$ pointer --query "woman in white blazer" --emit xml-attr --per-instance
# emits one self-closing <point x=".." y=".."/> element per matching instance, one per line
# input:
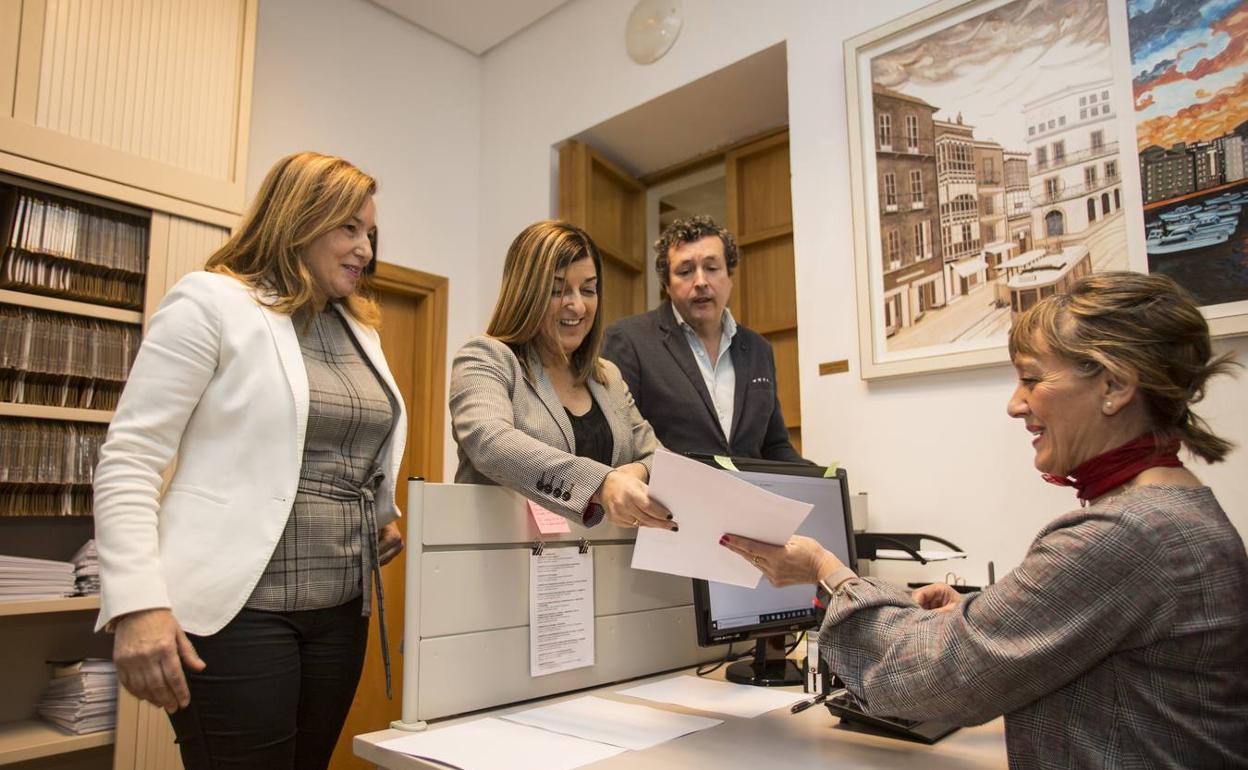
<point x="239" y="597"/>
<point x="533" y="406"/>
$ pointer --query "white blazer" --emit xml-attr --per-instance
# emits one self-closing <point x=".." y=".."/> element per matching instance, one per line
<point x="219" y="380"/>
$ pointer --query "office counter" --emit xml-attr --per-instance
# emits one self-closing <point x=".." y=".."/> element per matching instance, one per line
<point x="811" y="739"/>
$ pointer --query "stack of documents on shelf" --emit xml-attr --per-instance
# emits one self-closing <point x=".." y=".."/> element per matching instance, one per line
<point x="87" y="570"/>
<point x="24" y="579"/>
<point x="82" y="696"/>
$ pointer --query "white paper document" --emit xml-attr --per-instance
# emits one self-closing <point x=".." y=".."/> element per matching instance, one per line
<point x="561" y="610"/>
<point x="738" y="700"/>
<point x="708" y="503"/>
<point x="488" y="744"/>
<point x="627" y="725"/>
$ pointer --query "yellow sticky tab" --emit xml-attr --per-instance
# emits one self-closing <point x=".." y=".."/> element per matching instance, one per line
<point x="830" y="471"/>
<point x="725" y="462"/>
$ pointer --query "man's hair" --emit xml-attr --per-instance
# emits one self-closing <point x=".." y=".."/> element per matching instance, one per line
<point x="691" y="230"/>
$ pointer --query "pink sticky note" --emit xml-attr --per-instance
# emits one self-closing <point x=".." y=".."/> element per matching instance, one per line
<point x="548" y="522"/>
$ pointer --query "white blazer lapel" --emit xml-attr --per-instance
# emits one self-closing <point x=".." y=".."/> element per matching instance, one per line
<point x="287" y="343"/>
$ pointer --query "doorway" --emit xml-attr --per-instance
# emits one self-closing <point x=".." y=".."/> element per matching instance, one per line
<point x="413" y="337"/>
<point x="718" y="146"/>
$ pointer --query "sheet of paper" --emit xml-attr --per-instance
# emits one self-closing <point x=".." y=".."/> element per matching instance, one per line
<point x="606" y="721"/>
<point x="709" y="503"/>
<point x="488" y="744"/>
<point x="548" y="522"/>
<point x="561" y="610"/>
<point x="739" y="700"/>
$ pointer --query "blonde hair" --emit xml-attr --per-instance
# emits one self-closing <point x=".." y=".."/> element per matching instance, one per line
<point x="302" y="197"/>
<point x="533" y="258"/>
<point x="1147" y="324"/>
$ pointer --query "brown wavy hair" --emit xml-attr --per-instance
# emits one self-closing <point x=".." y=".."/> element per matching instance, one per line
<point x="1147" y="324"/>
<point x="534" y="256"/>
<point x="302" y="197"/>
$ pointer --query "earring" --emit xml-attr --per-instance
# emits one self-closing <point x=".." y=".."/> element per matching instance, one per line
<point x="1109" y="404"/>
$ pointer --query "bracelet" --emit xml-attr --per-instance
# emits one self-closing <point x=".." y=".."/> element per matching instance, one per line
<point x="836" y="579"/>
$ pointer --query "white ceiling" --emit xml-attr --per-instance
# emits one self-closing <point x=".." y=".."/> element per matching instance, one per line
<point x="741" y="100"/>
<point x="474" y="25"/>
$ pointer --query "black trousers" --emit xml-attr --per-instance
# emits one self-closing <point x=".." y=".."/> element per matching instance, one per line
<point x="276" y="689"/>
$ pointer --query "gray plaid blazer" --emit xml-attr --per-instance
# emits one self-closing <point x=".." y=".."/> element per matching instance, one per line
<point x="514" y="432"/>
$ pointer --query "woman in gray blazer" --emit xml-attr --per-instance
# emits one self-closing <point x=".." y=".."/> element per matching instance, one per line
<point x="533" y="406"/>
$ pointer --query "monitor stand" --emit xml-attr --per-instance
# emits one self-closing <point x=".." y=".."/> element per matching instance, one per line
<point x="768" y="668"/>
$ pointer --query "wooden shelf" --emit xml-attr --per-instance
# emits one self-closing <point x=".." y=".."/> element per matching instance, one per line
<point x="40" y="412"/>
<point x="43" y="606"/>
<point x="31" y="739"/>
<point x="40" y="302"/>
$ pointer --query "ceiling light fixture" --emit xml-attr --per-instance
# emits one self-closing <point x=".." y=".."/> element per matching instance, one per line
<point x="652" y="28"/>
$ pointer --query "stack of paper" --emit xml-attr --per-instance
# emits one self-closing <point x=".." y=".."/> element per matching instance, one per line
<point x="22" y="579"/>
<point x="82" y="696"/>
<point x="87" y="570"/>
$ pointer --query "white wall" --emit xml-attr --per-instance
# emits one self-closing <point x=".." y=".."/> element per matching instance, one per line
<point x="936" y="453"/>
<point x="347" y="78"/>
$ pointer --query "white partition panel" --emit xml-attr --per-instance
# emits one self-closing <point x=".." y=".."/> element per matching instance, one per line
<point x="467" y="639"/>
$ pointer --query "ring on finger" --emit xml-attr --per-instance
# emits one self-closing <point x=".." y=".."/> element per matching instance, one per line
<point x="756" y="561"/>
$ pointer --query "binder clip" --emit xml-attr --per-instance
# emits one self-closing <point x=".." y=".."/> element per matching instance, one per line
<point x="583" y="548"/>
<point x="538" y="547"/>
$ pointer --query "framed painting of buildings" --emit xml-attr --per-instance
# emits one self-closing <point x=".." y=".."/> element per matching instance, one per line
<point x="987" y="161"/>
<point x="1189" y="65"/>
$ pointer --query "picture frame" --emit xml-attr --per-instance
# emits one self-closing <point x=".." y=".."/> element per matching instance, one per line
<point x="994" y="161"/>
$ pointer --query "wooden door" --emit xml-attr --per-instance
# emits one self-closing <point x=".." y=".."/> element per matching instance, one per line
<point x="609" y="204"/>
<point x="764" y="297"/>
<point x="413" y="336"/>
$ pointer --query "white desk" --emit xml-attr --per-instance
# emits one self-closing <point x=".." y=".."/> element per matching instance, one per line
<point x="812" y="739"/>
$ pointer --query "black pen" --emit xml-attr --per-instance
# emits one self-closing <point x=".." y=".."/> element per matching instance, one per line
<point x="815" y="701"/>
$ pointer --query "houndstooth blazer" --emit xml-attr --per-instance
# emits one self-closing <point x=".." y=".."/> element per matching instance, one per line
<point x="514" y="431"/>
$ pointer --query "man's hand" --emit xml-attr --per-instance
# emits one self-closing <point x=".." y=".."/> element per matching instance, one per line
<point x="150" y="650"/>
<point x="627" y="502"/>
<point x="389" y="543"/>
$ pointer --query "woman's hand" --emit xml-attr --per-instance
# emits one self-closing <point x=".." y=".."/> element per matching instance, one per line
<point x="389" y="543"/>
<point x="150" y="650"/>
<point x="627" y="502"/>
<point x="801" y="560"/>
<point x="940" y="597"/>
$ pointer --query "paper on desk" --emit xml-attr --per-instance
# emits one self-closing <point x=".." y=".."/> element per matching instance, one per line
<point x="739" y="700"/>
<point x="606" y="721"/>
<point x="708" y="503"/>
<point x="488" y="744"/>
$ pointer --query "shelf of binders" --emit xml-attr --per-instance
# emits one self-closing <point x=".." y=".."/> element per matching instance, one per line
<point x="49" y="606"/>
<point x="29" y="739"/>
<point x="64" y="247"/>
<point x="55" y="305"/>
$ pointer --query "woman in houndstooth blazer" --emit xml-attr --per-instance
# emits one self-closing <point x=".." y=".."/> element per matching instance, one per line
<point x="533" y="406"/>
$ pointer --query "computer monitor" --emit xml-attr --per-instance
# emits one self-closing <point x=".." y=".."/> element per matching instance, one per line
<point x="727" y="613"/>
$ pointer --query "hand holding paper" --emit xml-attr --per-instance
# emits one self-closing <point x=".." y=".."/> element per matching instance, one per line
<point x="710" y="503"/>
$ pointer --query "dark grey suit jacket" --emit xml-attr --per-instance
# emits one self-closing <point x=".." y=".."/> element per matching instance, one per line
<point x="653" y="355"/>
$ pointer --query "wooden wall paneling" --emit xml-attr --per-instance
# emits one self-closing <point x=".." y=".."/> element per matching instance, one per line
<point x="760" y="214"/>
<point x="177" y="246"/>
<point x="155" y="94"/>
<point x="770" y="293"/>
<point x="10" y="27"/>
<point x="609" y="204"/>
<point x="784" y="345"/>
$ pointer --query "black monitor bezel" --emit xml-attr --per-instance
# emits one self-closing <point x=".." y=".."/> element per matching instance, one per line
<point x="701" y="588"/>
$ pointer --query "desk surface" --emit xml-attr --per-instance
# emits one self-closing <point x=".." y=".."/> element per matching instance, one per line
<point x="812" y="738"/>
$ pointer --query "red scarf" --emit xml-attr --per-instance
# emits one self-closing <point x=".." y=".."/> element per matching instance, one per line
<point x="1114" y="468"/>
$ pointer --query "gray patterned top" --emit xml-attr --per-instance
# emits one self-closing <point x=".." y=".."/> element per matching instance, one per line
<point x="321" y="560"/>
<point x="1120" y="641"/>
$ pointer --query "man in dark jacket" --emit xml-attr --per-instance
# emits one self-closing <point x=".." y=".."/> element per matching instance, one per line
<point x="705" y="383"/>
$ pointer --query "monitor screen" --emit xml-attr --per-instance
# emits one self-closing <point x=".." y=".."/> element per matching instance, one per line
<point x="728" y="613"/>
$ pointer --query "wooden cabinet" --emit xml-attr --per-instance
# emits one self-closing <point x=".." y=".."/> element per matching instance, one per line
<point x="151" y="94"/>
